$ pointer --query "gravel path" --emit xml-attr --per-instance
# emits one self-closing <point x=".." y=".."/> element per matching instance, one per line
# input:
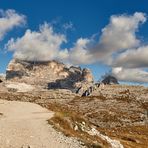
<point x="24" y="125"/>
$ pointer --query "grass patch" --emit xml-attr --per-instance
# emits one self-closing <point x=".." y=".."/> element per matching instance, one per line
<point x="75" y="125"/>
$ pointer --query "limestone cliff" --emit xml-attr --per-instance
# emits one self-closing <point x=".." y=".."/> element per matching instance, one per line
<point x="51" y="74"/>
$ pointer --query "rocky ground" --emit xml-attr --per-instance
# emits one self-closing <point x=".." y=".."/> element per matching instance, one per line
<point x="113" y="116"/>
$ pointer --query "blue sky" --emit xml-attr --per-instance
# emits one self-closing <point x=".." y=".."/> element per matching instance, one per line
<point x="87" y="19"/>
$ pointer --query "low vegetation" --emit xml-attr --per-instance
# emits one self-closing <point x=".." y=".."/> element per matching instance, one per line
<point x="118" y="120"/>
<point x="74" y="124"/>
<point x="119" y="112"/>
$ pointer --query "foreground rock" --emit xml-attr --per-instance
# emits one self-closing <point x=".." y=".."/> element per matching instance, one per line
<point x="51" y="74"/>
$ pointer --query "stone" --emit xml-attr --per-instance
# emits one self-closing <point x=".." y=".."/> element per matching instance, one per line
<point x="86" y="93"/>
<point x="87" y="75"/>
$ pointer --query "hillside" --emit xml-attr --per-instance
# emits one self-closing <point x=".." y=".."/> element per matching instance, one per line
<point x="116" y="111"/>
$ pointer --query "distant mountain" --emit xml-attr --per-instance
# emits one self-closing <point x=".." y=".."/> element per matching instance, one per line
<point x="110" y="80"/>
<point x="51" y="74"/>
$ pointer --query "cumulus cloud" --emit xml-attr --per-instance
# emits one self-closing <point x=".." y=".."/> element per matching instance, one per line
<point x="78" y="54"/>
<point x="119" y="34"/>
<point x="134" y="75"/>
<point x="43" y="45"/>
<point x="129" y="65"/>
<point x="8" y="20"/>
<point x="122" y="50"/>
<point x="133" y="58"/>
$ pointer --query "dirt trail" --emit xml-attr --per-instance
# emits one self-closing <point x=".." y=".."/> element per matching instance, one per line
<point x="24" y="124"/>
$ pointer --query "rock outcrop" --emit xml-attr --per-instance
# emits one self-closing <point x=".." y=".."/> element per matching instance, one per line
<point x="51" y="74"/>
<point x="2" y="78"/>
<point x="110" y="80"/>
<point x="87" y="75"/>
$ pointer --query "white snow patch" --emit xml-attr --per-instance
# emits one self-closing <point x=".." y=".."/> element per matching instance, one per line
<point x="113" y="143"/>
<point x="20" y="87"/>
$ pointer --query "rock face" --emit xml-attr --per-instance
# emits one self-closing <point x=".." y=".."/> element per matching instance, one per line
<point x="2" y="78"/>
<point x="51" y="74"/>
<point x="110" y="80"/>
<point x="87" y="75"/>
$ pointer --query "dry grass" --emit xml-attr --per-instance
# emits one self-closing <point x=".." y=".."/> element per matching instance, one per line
<point x="120" y="116"/>
<point x="130" y="137"/>
<point x="69" y="113"/>
<point x="65" y="120"/>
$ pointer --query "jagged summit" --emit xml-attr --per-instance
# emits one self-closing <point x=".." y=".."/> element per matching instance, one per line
<point x="52" y="74"/>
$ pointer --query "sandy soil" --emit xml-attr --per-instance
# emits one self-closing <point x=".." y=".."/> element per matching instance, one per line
<point x="24" y="125"/>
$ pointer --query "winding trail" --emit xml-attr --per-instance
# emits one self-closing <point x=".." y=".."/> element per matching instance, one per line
<point x="24" y="125"/>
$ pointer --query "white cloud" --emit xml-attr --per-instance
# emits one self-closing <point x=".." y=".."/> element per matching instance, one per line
<point x="68" y="26"/>
<point x="132" y="58"/>
<point x="78" y="54"/>
<point x="119" y="34"/>
<point x="8" y="20"/>
<point x="130" y="75"/>
<point x="121" y="49"/>
<point x="43" y="45"/>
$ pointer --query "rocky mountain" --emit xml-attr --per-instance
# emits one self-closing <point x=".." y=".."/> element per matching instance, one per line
<point x="110" y="80"/>
<point x="51" y="74"/>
